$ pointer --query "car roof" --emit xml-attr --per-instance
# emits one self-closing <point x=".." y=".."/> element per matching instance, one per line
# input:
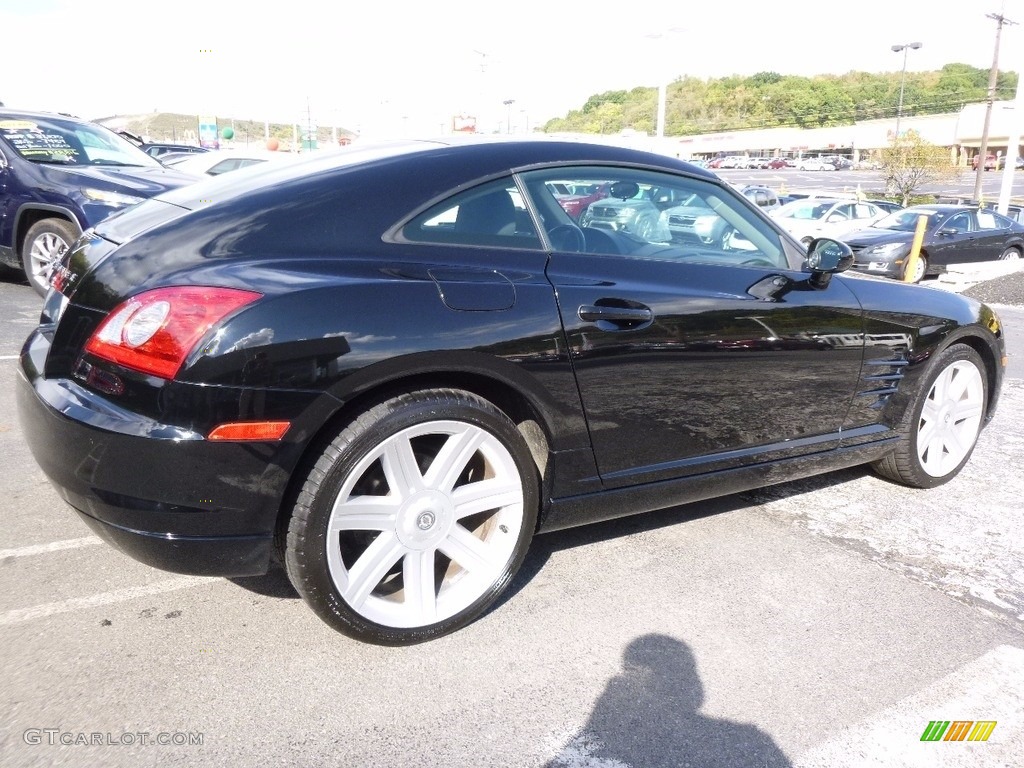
<point x="20" y="114"/>
<point x="941" y="208"/>
<point x="462" y="160"/>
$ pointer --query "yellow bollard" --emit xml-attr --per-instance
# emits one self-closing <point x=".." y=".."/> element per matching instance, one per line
<point x="915" y="250"/>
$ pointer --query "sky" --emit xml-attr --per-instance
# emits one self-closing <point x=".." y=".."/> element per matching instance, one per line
<point x="407" y="67"/>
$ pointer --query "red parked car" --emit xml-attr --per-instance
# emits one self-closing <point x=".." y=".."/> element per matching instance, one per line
<point x="577" y="198"/>
<point x="991" y="162"/>
<point x="777" y="163"/>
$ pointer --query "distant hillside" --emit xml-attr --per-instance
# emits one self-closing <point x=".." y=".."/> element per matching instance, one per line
<point x="184" y="129"/>
<point x="771" y="100"/>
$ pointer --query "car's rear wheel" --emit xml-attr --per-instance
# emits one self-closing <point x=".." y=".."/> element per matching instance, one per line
<point x="415" y="518"/>
<point x="45" y="243"/>
<point x="941" y="426"/>
<point x="1010" y="254"/>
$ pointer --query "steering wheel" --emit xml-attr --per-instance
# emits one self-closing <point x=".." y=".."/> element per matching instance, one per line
<point x="756" y="263"/>
<point x="567" y="237"/>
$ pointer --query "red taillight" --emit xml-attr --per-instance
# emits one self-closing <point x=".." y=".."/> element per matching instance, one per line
<point x="155" y="331"/>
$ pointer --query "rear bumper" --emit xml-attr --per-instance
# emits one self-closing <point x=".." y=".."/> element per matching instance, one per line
<point x="160" y="493"/>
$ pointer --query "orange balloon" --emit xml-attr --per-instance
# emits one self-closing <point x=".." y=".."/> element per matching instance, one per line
<point x="273" y="144"/>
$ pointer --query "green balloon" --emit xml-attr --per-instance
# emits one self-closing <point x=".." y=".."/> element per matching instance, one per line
<point x="228" y="133"/>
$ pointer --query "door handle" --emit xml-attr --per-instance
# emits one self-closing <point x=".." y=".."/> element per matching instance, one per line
<point x="595" y="313"/>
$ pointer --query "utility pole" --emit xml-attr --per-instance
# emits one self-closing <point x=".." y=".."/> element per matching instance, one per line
<point x="1000" y="20"/>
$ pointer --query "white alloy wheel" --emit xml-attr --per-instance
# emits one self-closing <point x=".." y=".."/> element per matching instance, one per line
<point x="422" y="564"/>
<point x="940" y="426"/>
<point x="45" y="244"/>
<point x="951" y="418"/>
<point x="414" y="518"/>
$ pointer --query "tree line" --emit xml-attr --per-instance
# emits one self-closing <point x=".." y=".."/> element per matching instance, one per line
<point x="771" y="100"/>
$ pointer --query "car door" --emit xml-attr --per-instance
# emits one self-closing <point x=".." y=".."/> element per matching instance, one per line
<point x="692" y="356"/>
<point x="955" y="241"/>
<point x="991" y="235"/>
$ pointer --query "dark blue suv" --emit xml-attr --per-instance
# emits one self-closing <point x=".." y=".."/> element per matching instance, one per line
<point x="59" y="176"/>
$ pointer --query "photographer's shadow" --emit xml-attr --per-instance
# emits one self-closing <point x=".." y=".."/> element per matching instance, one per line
<point x="649" y="716"/>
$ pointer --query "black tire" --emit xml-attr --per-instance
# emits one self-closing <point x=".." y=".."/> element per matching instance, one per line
<point x="355" y="579"/>
<point x="45" y="242"/>
<point x="905" y="464"/>
<point x="1010" y="254"/>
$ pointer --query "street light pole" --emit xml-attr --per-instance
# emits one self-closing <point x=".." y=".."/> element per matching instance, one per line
<point x="993" y="78"/>
<point x="662" y="83"/>
<point x="508" y="114"/>
<point x="905" y="47"/>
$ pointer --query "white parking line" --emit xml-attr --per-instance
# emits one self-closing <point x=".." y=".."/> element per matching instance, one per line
<point x="8" y="357"/>
<point x="54" y="546"/>
<point x="990" y="688"/>
<point x="21" y="615"/>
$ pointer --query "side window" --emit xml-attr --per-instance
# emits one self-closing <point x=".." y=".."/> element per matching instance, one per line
<point x="493" y="214"/>
<point x="637" y="213"/>
<point x="991" y="220"/>
<point x="960" y="223"/>
<point x="865" y="211"/>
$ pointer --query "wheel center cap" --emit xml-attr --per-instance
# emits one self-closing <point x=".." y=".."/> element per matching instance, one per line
<point x="425" y="519"/>
<point x="945" y="414"/>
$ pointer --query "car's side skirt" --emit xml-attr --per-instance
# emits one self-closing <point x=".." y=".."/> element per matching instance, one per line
<point x="620" y="502"/>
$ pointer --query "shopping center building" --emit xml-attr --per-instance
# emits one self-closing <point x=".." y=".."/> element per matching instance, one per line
<point x="959" y="131"/>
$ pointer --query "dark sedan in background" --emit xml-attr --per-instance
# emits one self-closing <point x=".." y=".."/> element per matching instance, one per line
<point x="954" y="234"/>
<point x="393" y="365"/>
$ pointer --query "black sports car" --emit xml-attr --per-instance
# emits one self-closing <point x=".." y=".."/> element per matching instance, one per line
<point x="393" y="365"/>
<point x="954" y="234"/>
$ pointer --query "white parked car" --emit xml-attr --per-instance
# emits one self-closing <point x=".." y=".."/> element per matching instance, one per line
<point x="814" y="164"/>
<point x="825" y="217"/>
<point x="220" y="161"/>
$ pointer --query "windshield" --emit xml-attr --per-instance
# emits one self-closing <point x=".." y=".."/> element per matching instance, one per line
<point x="906" y="220"/>
<point x="66" y="142"/>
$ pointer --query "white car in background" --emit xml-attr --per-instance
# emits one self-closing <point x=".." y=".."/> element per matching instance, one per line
<point x="218" y="161"/>
<point x="825" y="217"/>
<point x="814" y="164"/>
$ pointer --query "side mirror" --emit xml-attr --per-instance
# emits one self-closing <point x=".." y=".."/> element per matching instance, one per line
<point x="624" y="190"/>
<point x="826" y="257"/>
<point x="948" y="232"/>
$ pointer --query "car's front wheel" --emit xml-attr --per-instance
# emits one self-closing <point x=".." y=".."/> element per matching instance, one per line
<point x="941" y="426"/>
<point x="45" y="243"/>
<point x="415" y="517"/>
<point x="1010" y="254"/>
<point x="918" y="270"/>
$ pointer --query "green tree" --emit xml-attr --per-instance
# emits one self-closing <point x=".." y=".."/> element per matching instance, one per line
<point x="910" y="162"/>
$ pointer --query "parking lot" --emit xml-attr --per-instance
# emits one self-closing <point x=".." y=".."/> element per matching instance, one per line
<point x="824" y="622"/>
<point x="868" y="182"/>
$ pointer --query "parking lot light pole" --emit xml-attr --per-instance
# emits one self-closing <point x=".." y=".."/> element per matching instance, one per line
<point x="508" y="114"/>
<point x="905" y="47"/>
<point x="1012" y="145"/>
<point x="662" y="83"/>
